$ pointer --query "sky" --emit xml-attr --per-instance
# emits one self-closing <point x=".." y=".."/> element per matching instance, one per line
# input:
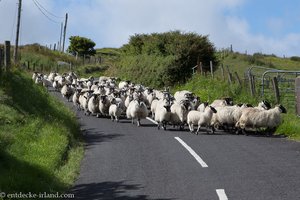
<point x="265" y="26"/>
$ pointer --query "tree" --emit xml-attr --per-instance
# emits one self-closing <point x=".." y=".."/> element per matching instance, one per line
<point x="81" y="46"/>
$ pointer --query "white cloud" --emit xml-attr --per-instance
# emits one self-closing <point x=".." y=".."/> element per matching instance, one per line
<point x="110" y="23"/>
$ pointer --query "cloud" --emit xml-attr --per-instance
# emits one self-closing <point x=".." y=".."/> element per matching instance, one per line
<point x="110" y="23"/>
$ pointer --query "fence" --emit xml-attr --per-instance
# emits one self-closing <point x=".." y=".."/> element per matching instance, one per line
<point x="279" y="85"/>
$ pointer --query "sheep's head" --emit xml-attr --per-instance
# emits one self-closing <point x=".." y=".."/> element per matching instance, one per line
<point x="213" y="109"/>
<point x="266" y="105"/>
<point x="281" y="108"/>
<point x="168" y="108"/>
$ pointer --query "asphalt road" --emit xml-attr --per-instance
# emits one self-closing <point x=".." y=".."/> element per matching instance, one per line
<point x="126" y="162"/>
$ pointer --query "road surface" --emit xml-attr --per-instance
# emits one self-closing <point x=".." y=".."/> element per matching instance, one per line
<point x="126" y="162"/>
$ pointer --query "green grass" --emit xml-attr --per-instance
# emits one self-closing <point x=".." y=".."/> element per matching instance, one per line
<point x="40" y="145"/>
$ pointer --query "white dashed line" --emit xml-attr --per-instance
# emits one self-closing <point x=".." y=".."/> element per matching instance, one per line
<point x="151" y="120"/>
<point x="221" y="193"/>
<point x="196" y="156"/>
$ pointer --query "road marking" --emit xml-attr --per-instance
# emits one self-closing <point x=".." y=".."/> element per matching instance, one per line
<point x="196" y="156"/>
<point x="151" y="120"/>
<point x="221" y="193"/>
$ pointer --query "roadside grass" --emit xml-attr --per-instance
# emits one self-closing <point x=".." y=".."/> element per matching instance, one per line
<point x="40" y="143"/>
<point x="210" y="89"/>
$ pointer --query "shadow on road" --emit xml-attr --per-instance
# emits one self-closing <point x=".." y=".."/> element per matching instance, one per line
<point x="94" y="137"/>
<point x="109" y="190"/>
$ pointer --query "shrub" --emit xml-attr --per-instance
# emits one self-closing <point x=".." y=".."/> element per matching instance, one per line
<point x="167" y="58"/>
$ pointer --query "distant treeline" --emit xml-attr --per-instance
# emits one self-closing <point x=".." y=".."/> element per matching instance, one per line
<point x="164" y="59"/>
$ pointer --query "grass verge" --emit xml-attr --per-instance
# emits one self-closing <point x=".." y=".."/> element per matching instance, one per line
<point x="40" y="143"/>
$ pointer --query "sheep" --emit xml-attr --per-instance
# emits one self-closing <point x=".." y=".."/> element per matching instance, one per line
<point x="83" y="100"/>
<point x="75" y="98"/>
<point x="128" y="99"/>
<point x="66" y="91"/>
<point x="163" y="113"/>
<point x="200" y="118"/>
<point x="123" y="84"/>
<point x="182" y="95"/>
<point x="137" y="109"/>
<point x="222" y="102"/>
<point x="104" y="104"/>
<point x="256" y="119"/>
<point x="227" y="116"/>
<point x="202" y="106"/>
<point x="39" y="80"/>
<point x="34" y="76"/>
<point x="93" y="104"/>
<point x="263" y="105"/>
<point x="55" y="85"/>
<point x="179" y="111"/>
<point x="153" y="107"/>
<point x="51" y="76"/>
<point x="115" y="111"/>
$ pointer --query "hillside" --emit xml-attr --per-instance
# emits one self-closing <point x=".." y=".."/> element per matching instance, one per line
<point x="40" y="144"/>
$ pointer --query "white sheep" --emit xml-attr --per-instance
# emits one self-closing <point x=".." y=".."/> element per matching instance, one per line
<point x="66" y="91"/>
<point x="222" y="102"/>
<point x="93" y="104"/>
<point x="55" y="85"/>
<point x="75" y="98"/>
<point x="200" y="118"/>
<point x="202" y="106"/>
<point x="104" y="104"/>
<point x="256" y="119"/>
<point x="137" y="110"/>
<point x="179" y="111"/>
<point x="182" y="95"/>
<point x="123" y="84"/>
<point x="153" y="107"/>
<point x="163" y="113"/>
<point x="115" y="111"/>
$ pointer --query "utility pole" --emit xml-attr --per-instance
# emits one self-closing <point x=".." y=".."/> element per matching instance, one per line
<point x="61" y="32"/>
<point x="18" y="32"/>
<point x="65" y="29"/>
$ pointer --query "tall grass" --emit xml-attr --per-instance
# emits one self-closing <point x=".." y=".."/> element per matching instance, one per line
<point x="40" y="145"/>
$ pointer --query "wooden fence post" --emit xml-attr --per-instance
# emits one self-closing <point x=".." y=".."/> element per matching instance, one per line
<point x="276" y="89"/>
<point x="1" y="58"/>
<point x="238" y="78"/>
<point x="201" y="68"/>
<point x="28" y="65"/>
<point x="252" y="85"/>
<point x="230" y="78"/>
<point x="211" y="69"/>
<point x="222" y="71"/>
<point x="7" y="55"/>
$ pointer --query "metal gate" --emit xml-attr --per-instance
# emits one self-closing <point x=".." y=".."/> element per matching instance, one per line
<point x="297" y="91"/>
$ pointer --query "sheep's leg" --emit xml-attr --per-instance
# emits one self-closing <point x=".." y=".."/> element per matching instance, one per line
<point x="158" y="126"/>
<point x="191" y="127"/>
<point x="117" y="119"/>
<point x="138" y="122"/>
<point x="165" y="125"/>
<point x="199" y="126"/>
<point x="132" y="121"/>
<point x="112" y="118"/>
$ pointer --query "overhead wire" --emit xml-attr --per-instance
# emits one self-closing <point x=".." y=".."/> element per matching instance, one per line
<point x="40" y="9"/>
<point x="53" y="15"/>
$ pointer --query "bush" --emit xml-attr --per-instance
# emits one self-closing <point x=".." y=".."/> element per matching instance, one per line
<point x="166" y="58"/>
<point x="295" y="58"/>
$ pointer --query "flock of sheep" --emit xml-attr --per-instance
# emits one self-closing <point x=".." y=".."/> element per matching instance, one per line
<point x="106" y="97"/>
